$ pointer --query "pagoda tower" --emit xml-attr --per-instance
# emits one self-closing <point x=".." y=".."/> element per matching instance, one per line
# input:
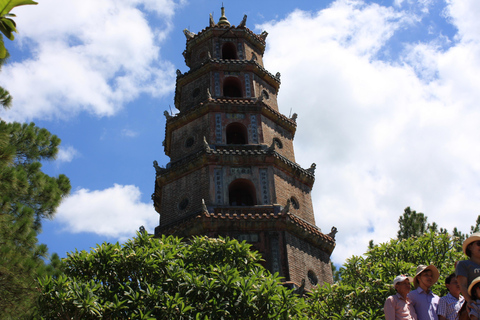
<point x="232" y="169"/>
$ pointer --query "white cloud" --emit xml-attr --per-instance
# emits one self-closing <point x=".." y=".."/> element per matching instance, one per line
<point x="114" y="212"/>
<point x="91" y="56"/>
<point x="66" y="154"/>
<point x="129" y="133"/>
<point x="384" y="134"/>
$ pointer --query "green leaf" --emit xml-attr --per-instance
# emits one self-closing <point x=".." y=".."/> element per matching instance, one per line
<point x="7" y="5"/>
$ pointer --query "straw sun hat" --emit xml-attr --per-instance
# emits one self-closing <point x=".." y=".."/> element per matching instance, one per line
<point x="473" y="237"/>
<point x="421" y="268"/>
<point x="474" y="282"/>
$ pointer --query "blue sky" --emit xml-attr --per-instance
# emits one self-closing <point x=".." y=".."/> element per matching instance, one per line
<point x="386" y="94"/>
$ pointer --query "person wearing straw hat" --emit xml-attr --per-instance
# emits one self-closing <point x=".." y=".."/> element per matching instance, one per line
<point x="474" y="292"/>
<point x="468" y="270"/>
<point x="398" y="307"/>
<point x="424" y="301"/>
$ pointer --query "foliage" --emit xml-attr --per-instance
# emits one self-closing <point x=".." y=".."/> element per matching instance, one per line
<point x="26" y="196"/>
<point x="23" y="186"/>
<point x="411" y="224"/>
<point x="148" y="278"/>
<point x="5" y="97"/>
<point x="7" y="25"/>
<point x="366" y="280"/>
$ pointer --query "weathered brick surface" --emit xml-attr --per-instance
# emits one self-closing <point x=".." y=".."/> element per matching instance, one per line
<point x="196" y="129"/>
<point x="273" y="130"/>
<point x="193" y="186"/>
<point x="303" y="257"/>
<point x="286" y="186"/>
<point x="194" y="92"/>
<point x="259" y="86"/>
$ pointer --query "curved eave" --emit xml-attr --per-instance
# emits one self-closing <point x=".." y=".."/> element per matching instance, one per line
<point x="219" y="31"/>
<point x="247" y="105"/>
<point x="203" y="222"/>
<point x="211" y="65"/>
<point x="257" y="155"/>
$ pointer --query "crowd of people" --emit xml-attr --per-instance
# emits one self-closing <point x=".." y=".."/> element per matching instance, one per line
<point x="461" y="302"/>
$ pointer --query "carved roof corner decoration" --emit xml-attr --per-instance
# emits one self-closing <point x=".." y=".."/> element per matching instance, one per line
<point x="243" y="22"/>
<point x="263" y="35"/>
<point x="271" y="149"/>
<point x="206" y="145"/>
<point x="294" y="117"/>
<point x="188" y="34"/>
<point x="211" y="21"/>
<point x="158" y="170"/>
<point x="333" y="232"/>
<point x="312" y="168"/>
<point x="286" y="209"/>
<point x="167" y="115"/>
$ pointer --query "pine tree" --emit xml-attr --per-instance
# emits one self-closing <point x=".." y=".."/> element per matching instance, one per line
<point x="5" y="97"/>
<point x="412" y="223"/>
<point x="27" y="195"/>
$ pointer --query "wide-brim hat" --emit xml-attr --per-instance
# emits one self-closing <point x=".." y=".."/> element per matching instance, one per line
<point x="402" y="278"/>
<point x="473" y="237"/>
<point x="421" y="268"/>
<point x="474" y="282"/>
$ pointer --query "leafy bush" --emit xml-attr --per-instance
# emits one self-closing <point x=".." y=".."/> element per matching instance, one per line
<point x="148" y="278"/>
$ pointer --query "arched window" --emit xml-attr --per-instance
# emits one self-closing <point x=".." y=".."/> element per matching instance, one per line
<point x="236" y="133"/>
<point x="232" y="88"/>
<point x="241" y="192"/>
<point x="229" y="51"/>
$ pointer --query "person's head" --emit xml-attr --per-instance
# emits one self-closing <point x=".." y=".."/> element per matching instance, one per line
<point x="471" y="245"/>
<point x="402" y="284"/>
<point x="474" y="289"/>
<point x="426" y="276"/>
<point x="452" y="285"/>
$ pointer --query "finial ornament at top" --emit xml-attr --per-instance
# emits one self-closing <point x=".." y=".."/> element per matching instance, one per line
<point x="223" y="20"/>
<point x="294" y="117"/>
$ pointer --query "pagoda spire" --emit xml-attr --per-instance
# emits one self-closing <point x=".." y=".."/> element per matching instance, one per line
<point x="223" y="20"/>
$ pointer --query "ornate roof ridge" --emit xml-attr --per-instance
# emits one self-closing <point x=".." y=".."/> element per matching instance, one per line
<point x="225" y="27"/>
<point x="287" y="217"/>
<point x="240" y="150"/>
<point x="228" y="61"/>
<point x="225" y="100"/>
